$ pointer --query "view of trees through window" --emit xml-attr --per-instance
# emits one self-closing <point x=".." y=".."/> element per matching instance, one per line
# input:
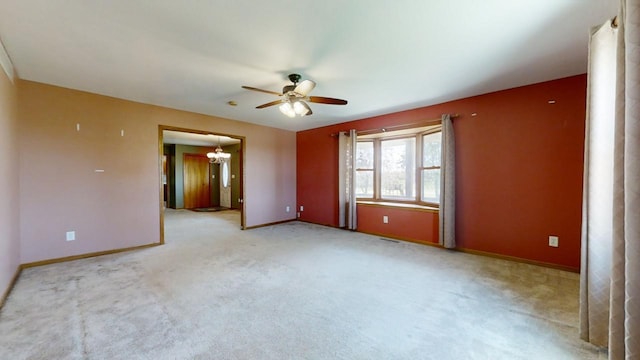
<point x="397" y="169"/>
<point x="400" y="168"/>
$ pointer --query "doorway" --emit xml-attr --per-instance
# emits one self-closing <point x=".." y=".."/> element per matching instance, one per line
<point x="192" y="175"/>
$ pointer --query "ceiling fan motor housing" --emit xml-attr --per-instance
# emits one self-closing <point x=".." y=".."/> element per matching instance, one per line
<point x="288" y="88"/>
<point x="294" y="78"/>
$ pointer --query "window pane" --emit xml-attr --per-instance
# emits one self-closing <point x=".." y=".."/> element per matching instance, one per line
<point x="431" y="149"/>
<point x="364" y="184"/>
<point x="364" y="155"/>
<point x="397" y="173"/>
<point x="431" y="185"/>
<point x="225" y="174"/>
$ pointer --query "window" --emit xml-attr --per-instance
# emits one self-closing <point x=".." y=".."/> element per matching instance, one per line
<point x="400" y="166"/>
<point x="364" y="169"/>
<point x="397" y="169"/>
<point x="225" y="173"/>
<point x="430" y="169"/>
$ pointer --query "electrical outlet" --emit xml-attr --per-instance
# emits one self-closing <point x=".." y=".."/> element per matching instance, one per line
<point x="385" y="219"/>
<point x="554" y="241"/>
<point x="287" y="209"/>
<point x="298" y="214"/>
<point x="301" y="208"/>
<point x="71" y="235"/>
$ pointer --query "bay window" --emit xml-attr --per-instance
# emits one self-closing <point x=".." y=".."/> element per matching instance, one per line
<point x="400" y="166"/>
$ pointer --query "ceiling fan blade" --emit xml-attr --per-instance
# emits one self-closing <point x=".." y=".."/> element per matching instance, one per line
<point x="261" y="90"/>
<point x="326" y="100"/>
<point x="304" y="87"/>
<point x="269" y="104"/>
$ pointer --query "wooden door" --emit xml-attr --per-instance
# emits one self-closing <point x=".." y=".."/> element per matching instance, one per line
<point x="196" y="181"/>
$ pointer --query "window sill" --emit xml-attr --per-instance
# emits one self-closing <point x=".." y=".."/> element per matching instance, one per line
<point x="399" y="205"/>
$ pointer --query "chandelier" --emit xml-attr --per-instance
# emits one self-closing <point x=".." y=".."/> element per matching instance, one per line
<point x="218" y="155"/>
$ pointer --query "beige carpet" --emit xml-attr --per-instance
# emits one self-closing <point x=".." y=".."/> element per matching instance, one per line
<point x="291" y="291"/>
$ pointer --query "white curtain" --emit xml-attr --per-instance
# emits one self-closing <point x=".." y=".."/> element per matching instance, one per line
<point x="447" y="218"/>
<point x="597" y="204"/>
<point x="346" y="180"/>
<point x="624" y="332"/>
<point x="610" y="268"/>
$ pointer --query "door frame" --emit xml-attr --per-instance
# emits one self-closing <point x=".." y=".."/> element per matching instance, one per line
<point x="243" y="157"/>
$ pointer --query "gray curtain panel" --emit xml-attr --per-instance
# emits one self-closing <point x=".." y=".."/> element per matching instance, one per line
<point x="610" y="274"/>
<point x="346" y="179"/>
<point x="447" y="218"/>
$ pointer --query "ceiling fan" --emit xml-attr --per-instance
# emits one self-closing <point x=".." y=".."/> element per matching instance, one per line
<point x="293" y="97"/>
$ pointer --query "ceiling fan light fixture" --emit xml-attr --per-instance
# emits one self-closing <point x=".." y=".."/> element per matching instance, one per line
<point x="301" y="108"/>
<point x="287" y="109"/>
<point x="304" y="88"/>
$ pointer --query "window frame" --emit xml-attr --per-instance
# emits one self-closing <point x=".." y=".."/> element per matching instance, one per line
<point x="372" y="169"/>
<point x="418" y="161"/>
<point x="379" y="188"/>
<point x="421" y="168"/>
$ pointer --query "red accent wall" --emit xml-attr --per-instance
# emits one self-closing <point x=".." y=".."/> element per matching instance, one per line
<point x="404" y="223"/>
<point x="519" y="170"/>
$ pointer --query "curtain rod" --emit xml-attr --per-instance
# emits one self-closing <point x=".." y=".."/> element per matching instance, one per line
<point x="400" y="126"/>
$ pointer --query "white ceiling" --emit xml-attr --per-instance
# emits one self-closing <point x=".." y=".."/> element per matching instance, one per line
<point x="381" y="56"/>
<point x="186" y="138"/>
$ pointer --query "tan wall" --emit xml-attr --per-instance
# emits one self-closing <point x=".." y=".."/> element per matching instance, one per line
<point x="9" y="202"/>
<point x="60" y="189"/>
